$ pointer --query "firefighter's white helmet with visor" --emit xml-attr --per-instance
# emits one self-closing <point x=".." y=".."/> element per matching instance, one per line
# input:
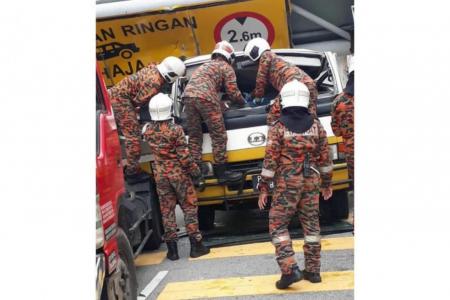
<point x="160" y="107"/>
<point x="171" y="67"/>
<point x="225" y="49"/>
<point x="294" y="93"/>
<point x="255" y="48"/>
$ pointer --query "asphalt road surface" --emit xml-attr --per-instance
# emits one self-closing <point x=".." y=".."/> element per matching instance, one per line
<point x="242" y="265"/>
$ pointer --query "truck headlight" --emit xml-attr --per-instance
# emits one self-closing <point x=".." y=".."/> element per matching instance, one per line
<point x="100" y="235"/>
<point x="333" y="151"/>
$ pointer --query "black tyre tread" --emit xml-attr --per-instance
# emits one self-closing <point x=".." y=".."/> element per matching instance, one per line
<point x="155" y="240"/>
<point x="325" y="212"/>
<point x="339" y="205"/>
<point x="126" y="253"/>
<point x="206" y="216"/>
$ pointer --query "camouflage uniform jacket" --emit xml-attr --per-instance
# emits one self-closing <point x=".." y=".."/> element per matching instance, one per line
<point x="342" y="115"/>
<point x="139" y="87"/>
<point x="278" y="72"/>
<point x="285" y="153"/>
<point x="212" y="78"/>
<point x="168" y="145"/>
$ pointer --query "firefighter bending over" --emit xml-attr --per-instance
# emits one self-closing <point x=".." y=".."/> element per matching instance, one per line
<point x="276" y="71"/>
<point x="202" y="102"/>
<point x="133" y="92"/>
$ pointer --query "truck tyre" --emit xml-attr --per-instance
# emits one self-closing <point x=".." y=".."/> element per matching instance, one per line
<point x="125" y="264"/>
<point x="206" y="216"/>
<point x="339" y="205"/>
<point x="325" y="211"/>
<point x="154" y="242"/>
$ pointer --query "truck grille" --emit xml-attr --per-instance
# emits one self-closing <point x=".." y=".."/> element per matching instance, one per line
<point x="243" y="166"/>
<point x="254" y="166"/>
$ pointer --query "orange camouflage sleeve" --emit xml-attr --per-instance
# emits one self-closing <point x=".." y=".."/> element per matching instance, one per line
<point x="273" y="152"/>
<point x="313" y="94"/>
<point x="325" y="163"/>
<point x="183" y="154"/>
<point x="230" y="84"/>
<point x="149" y="82"/>
<point x="121" y="91"/>
<point x="262" y="75"/>
<point x="336" y="111"/>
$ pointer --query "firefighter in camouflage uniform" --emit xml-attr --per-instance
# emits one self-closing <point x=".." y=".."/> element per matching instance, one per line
<point x="276" y="71"/>
<point x="298" y="163"/>
<point x="342" y="113"/>
<point x="134" y="92"/>
<point x="202" y="102"/>
<point x="174" y="170"/>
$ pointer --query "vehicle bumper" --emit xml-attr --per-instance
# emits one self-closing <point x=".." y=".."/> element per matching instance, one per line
<point x="215" y="194"/>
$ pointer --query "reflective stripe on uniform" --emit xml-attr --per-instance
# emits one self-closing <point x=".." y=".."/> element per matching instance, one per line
<point x="326" y="169"/>
<point x="315" y="170"/>
<point x="267" y="173"/>
<point x="279" y="239"/>
<point x="312" y="238"/>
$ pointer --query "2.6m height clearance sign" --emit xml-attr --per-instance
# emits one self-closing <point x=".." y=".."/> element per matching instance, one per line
<point x="126" y="44"/>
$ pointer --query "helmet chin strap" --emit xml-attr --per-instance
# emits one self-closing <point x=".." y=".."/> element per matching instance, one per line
<point x="167" y="78"/>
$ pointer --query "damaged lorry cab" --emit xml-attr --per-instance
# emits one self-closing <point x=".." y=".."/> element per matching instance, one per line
<point x="247" y="135"/>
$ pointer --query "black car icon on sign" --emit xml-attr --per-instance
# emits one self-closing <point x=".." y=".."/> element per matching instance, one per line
<point x="115" y="49"/>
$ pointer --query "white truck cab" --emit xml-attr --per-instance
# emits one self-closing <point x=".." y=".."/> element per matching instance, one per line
<point x="247" y="133"/>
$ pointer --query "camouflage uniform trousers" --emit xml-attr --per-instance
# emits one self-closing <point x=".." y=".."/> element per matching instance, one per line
<point x="286" y="202"/>
<point x="198" y="109"/>
<point x="275" y="109"/>
<point x="172" y="190"/>
<point x="126" y="119"/>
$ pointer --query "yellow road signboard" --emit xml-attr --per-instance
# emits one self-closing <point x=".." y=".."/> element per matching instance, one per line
<point x="128" y="42"/>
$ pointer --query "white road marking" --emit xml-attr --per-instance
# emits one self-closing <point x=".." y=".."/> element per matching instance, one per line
<point x="143" y="295"/>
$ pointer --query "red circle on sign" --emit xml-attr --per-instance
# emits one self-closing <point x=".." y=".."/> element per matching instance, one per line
<point x="264" y="20"/>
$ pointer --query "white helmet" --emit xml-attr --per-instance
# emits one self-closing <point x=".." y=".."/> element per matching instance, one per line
<point x="225" y="49"/>
<point x="255" y="48"/>
<point x="171" y="67"/>
<point x="160" y="107"/>
<point x="294" y="93"/>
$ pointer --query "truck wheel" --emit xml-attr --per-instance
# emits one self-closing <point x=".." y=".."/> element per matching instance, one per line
<point x="339" y="204"/>
<point x="154" y="242"/>
<point x="325" y="211"/>
<point x="206" y="215"/>
<point x="128" y="281"/>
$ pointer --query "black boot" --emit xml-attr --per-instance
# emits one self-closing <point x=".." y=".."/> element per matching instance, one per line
<point x="286" y="280"/>
<point x="312" y="277"/>
<point x="197" y="248"/>
<point x="223" y="175"/>
<point x="172" y="250"/>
